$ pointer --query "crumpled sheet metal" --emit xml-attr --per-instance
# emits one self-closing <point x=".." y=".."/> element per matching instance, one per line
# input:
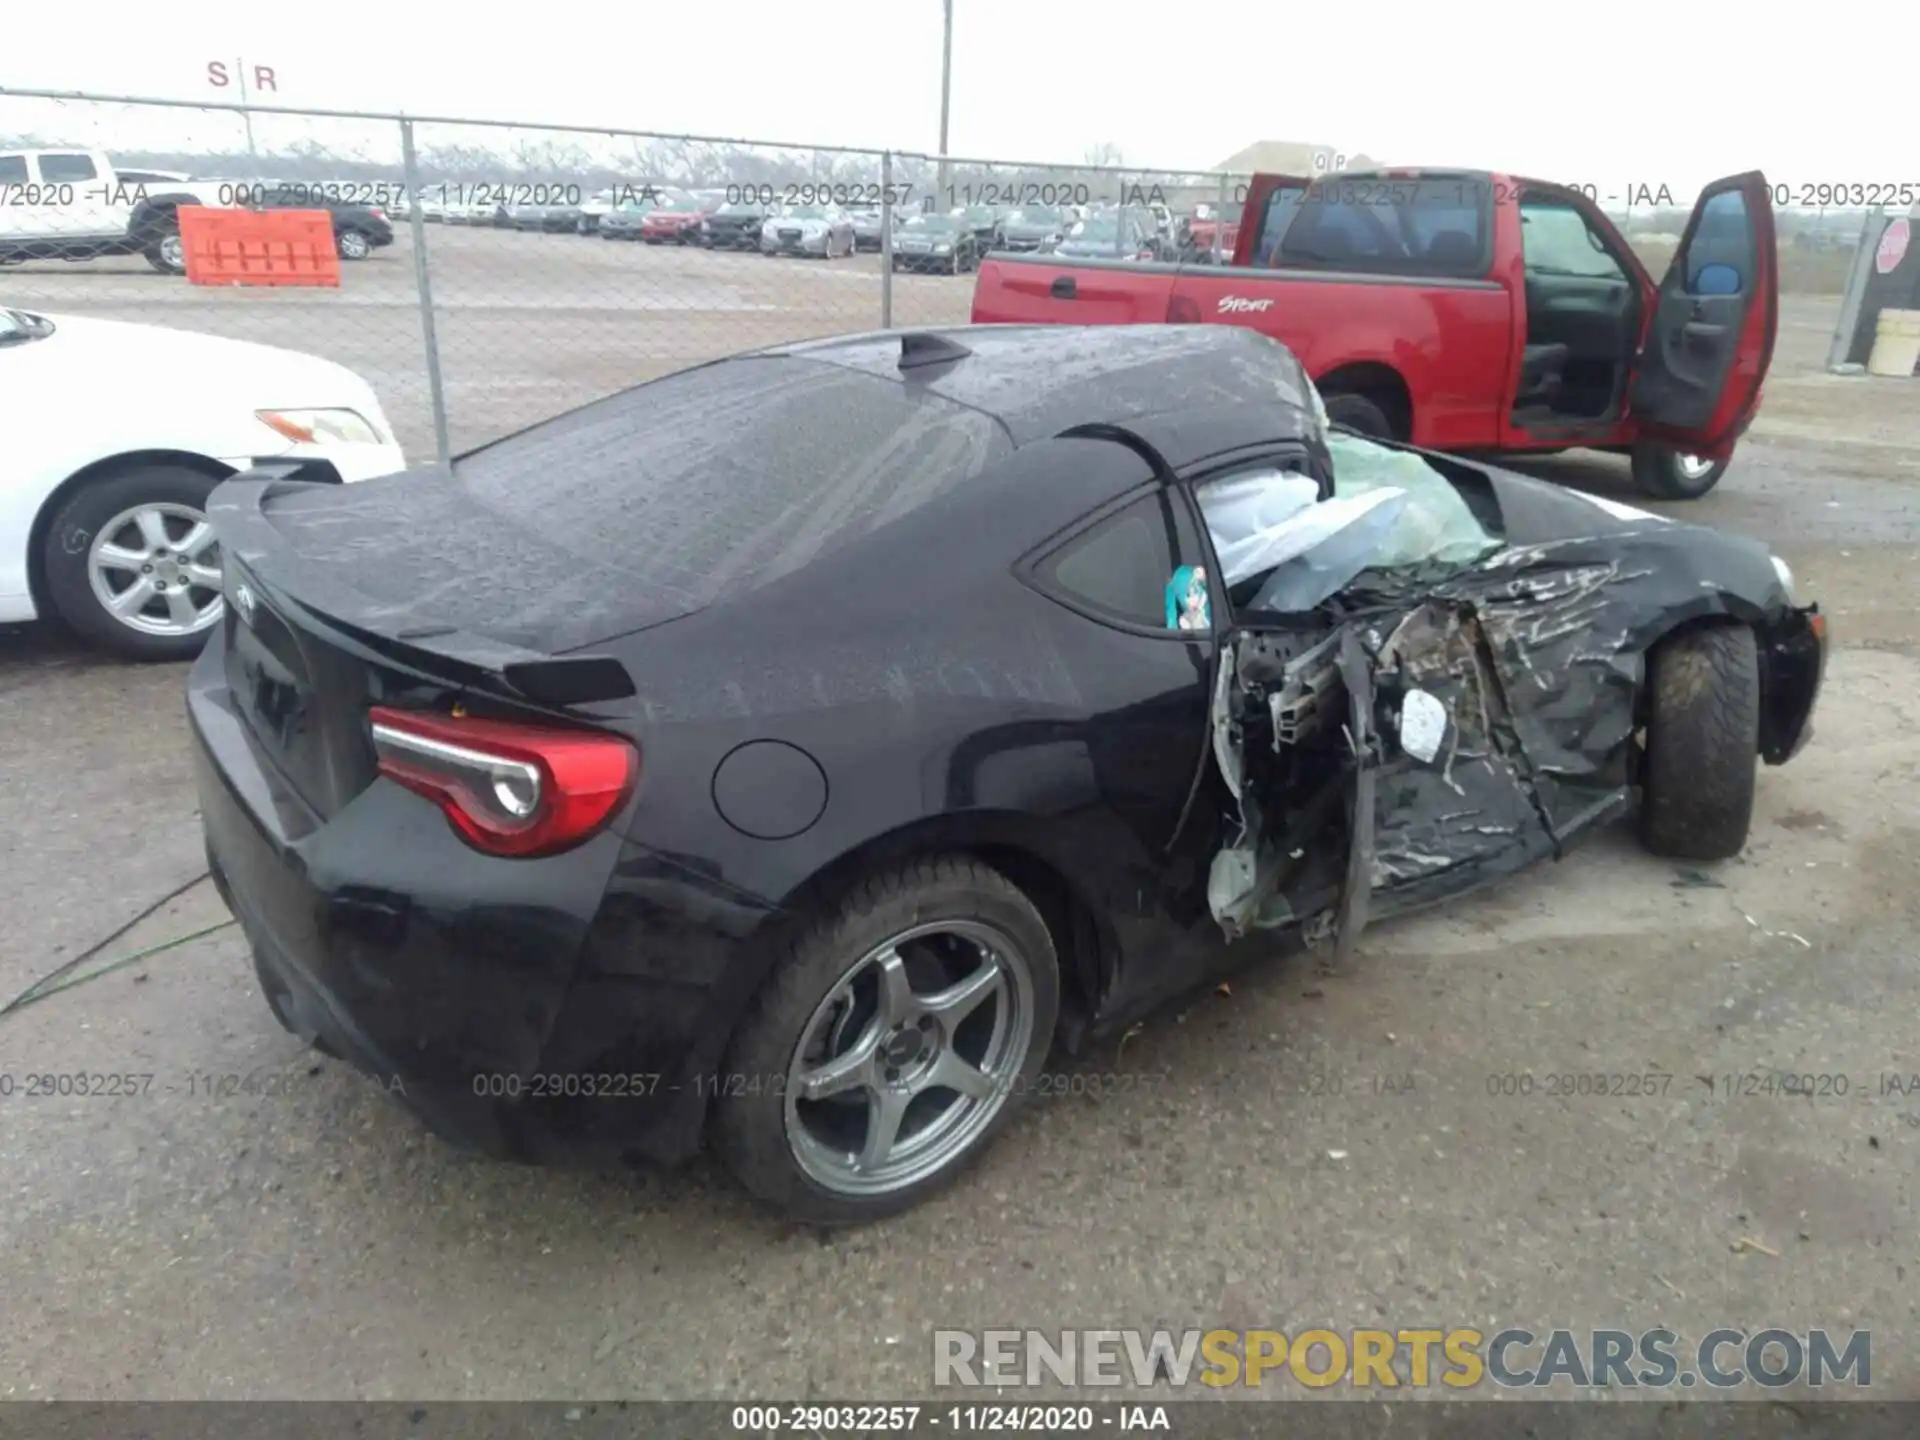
<point x="1537" y="657"/>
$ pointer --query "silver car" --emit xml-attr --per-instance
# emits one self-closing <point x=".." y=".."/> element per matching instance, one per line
<point x="822" y="230"/>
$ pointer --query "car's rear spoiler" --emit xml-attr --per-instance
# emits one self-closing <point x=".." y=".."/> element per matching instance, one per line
<point x="249" y="540"/>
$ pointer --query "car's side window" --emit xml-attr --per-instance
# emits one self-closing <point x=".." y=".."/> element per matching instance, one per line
<point x="1555" y="239"/>
<point x="13" y="170"/>
<point x="66" y="168"/>
<point x="1141" y="566"/>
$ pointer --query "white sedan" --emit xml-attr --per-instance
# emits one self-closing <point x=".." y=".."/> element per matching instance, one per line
<point x="114" y="437"/>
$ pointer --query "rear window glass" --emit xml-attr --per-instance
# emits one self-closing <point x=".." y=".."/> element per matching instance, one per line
<point x="13" y="169"/>
<point x="1432" y="227"/>
<point x="719" y="479"/>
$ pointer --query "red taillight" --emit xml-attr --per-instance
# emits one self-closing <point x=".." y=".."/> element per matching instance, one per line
<point x="508" y="788"/>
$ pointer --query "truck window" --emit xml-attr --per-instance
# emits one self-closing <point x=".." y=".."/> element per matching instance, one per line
<point x="1399" y="227"/>
<point x="59" y="169"/>
<point x="1282" y="205"/>
<point x="1556" y="239"/>
<point x="1724" y="236"/>
<point x="13" y="169"/>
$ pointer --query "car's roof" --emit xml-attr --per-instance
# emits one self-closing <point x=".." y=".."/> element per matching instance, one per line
<point x="1041" y="380"/>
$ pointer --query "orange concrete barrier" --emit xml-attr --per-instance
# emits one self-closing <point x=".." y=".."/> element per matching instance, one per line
<point x="259" y="247"/>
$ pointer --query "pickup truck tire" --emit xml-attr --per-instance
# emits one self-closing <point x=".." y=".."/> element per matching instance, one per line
<point x="1357" y="412"/>
<point x="165" y="251"/>
<point x="104" y="510"/>
<point x="1666" y="474"/>
<point x="1703" y="743"/>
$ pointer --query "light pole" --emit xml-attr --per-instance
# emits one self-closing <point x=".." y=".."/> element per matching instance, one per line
<point x="946" y="91"/>
<point x="253" y="154"/>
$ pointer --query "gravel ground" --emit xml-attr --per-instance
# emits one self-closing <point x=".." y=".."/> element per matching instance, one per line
<point x="314" y="1243"/>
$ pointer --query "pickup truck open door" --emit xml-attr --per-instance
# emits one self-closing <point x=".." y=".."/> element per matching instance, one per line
<point x="1705" y="352"/>
<point x="1272" y="202"/>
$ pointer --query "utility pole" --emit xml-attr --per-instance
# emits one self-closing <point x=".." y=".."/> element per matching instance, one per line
<point x="253" y="154"/>
<point x="946" y="92"/>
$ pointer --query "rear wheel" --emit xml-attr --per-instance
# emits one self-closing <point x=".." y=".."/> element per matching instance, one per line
<point x="1668" y="474"/>
<point x="165" y="251"/>
<point x="894" y="1041"/>
<point x="132" y="564"/>
<point x="1357" y="412"/>
<point x="354" y="245"/>
<point x="1703" y="743"/>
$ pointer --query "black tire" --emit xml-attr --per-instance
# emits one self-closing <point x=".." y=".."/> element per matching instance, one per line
<point x="1357" y="412"/>
<point x="1657" y="472"/>
<point x="750" y="1129"/>
<point x="162" y="250"/>
<point x="350" y="240"/>
<point x="1703" y="743"/>
<point x="69" y="538"/>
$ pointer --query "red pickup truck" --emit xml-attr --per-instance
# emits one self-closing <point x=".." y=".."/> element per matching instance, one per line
<point x="1470" y="312"/>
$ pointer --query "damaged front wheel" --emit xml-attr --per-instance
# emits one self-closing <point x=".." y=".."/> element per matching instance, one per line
<point x="1703" y="743"/>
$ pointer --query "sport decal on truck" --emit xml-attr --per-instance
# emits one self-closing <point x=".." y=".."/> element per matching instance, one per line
<point x="1241" y="305"/>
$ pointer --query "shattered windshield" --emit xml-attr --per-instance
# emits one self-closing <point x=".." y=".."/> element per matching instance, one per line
<point x="1392" y="521"/>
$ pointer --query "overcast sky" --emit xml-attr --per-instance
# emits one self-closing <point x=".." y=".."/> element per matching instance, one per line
<point x="1615" y="95"/>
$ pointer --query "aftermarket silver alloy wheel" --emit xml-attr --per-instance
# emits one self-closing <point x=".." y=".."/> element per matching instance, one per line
<point x="905" y="1063"/>
<point x="1692" y="467"/>
<point x="156" y="568"/>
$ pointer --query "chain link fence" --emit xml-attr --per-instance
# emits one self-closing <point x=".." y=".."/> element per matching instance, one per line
<point x="494" y="274"/>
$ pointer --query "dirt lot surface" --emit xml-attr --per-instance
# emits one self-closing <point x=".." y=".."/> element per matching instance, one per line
<point x="312" y="1242"/>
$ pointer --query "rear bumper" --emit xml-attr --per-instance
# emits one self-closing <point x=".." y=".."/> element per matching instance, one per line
<point x="1793" y="665"/>
<point x="491" y="998"/>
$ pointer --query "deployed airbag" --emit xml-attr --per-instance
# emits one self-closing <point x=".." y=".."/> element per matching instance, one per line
<point x="1324" y="547"/>
<point x="1247" y="516"/>
<point x="1437" y="526"/>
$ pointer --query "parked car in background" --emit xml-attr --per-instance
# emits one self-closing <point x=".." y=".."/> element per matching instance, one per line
<point x="869" y="226"/>
<point x="358" y="230"/>
<point x="432" y="201"/>
<point x="480" y="206"/>
<point x="549" y="218"/>
<point x="1031" y="227"/>
<point x="103" y="508"/>
<point x="595" y="208"/>
<point x="73" y="205"/>
<point x="1543" y="330"/>
<point x="1213" y="229"/>
<point x="822" y="230"/>
<point x="936" y="244"/>
<point x="1120" y="234"/>
<point x="580" y="825"/>
<point x="675" y="220"/>
<point x="734" y="225"/>
<point x="983" y="221"/>
<point x="623" y="222"/>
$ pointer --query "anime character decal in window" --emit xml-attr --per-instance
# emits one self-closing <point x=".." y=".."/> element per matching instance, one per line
<point x="1187" y="605"/>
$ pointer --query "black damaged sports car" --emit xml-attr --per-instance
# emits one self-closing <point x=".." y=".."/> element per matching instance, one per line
<point x="784" y="754"/>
